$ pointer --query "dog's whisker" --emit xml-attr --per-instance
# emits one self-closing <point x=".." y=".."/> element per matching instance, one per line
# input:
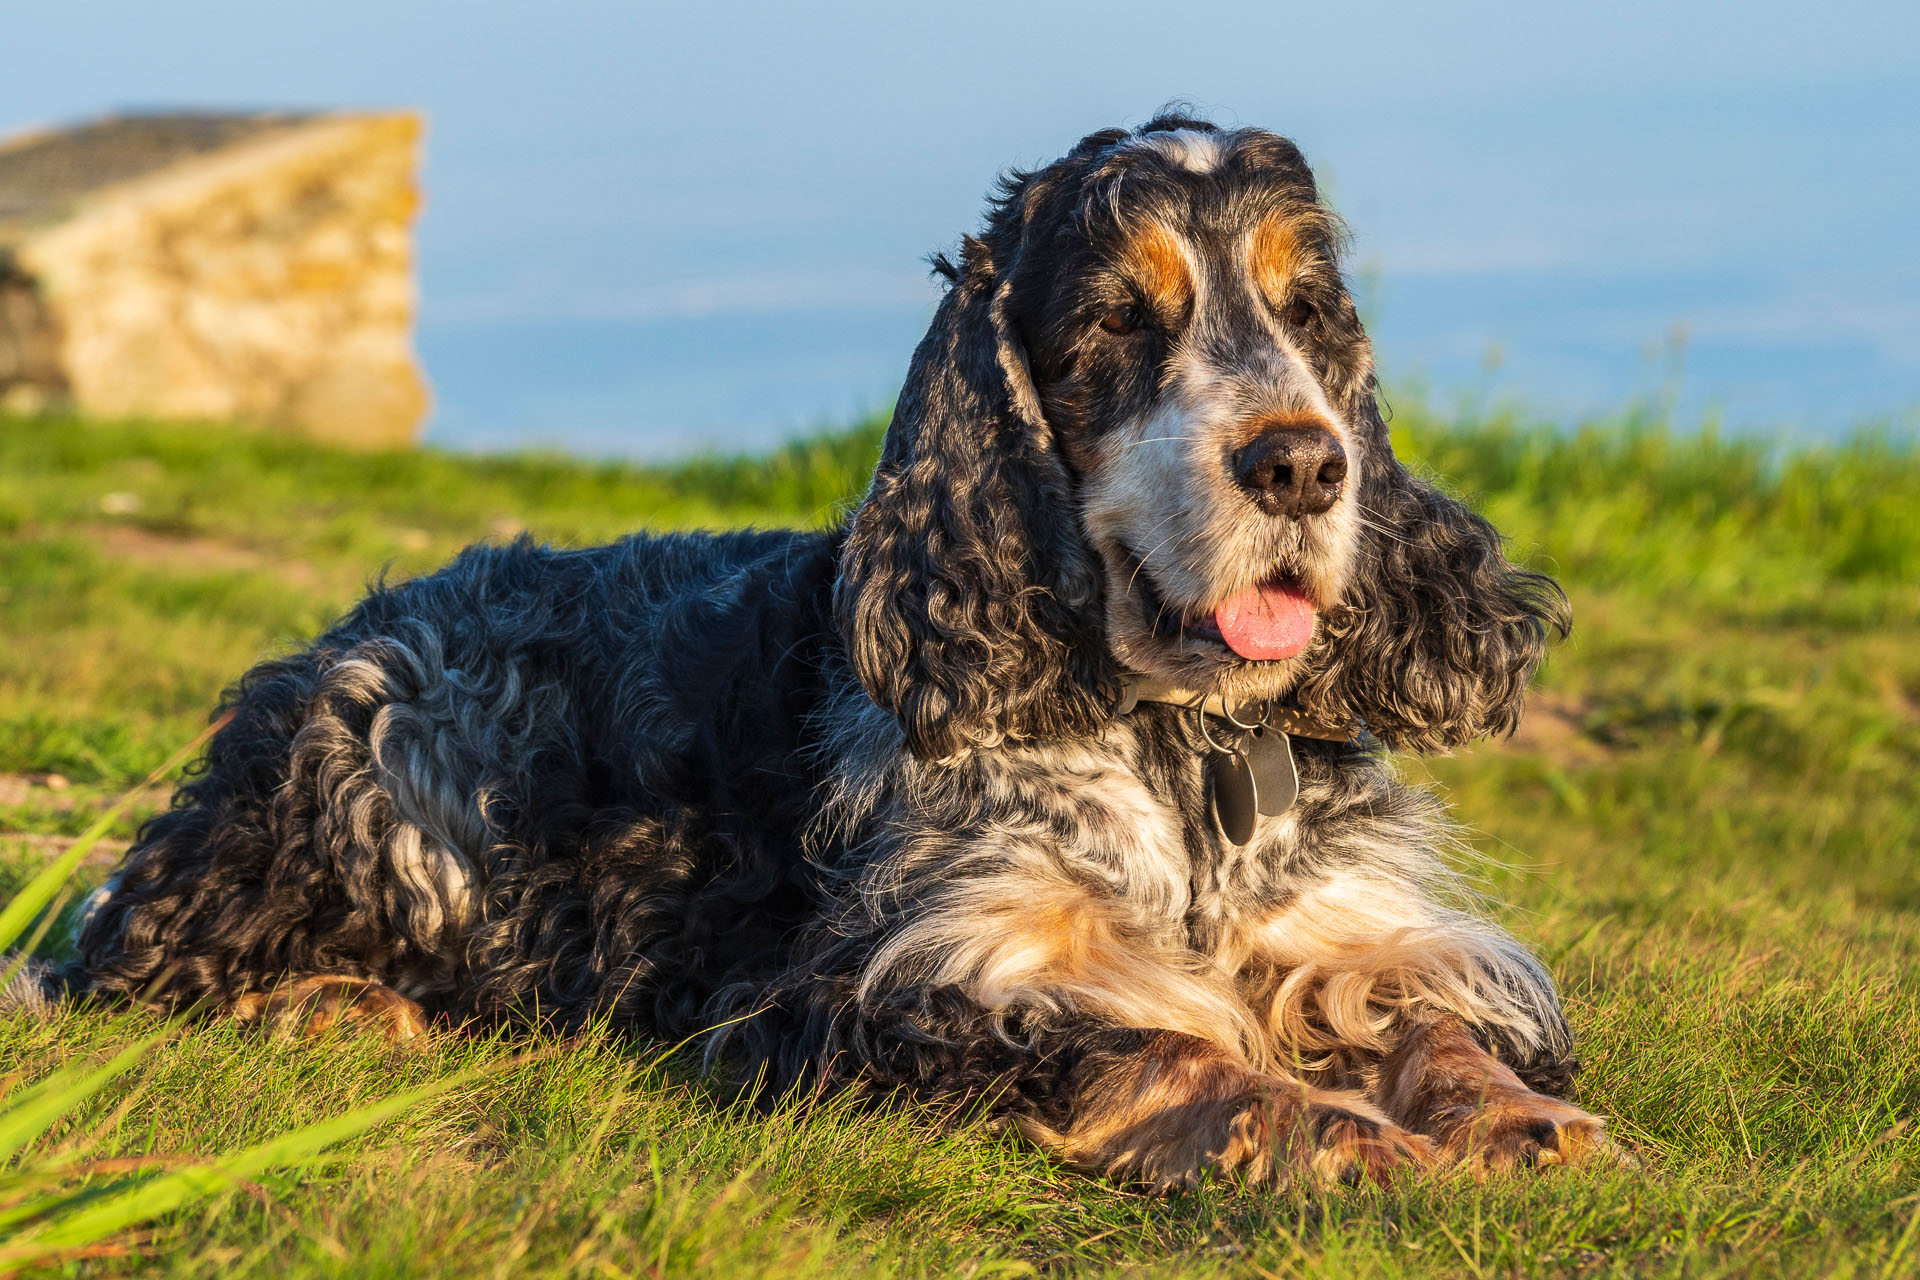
<point x="1377" y="524"/>
<point x="1141" y="562"/>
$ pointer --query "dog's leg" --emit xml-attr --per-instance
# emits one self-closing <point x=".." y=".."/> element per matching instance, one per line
<point x="298" y="849"/>
<point x="1166" y="1109"/>
<point x="1439" y="1081"/>
<point x="304" y="1007"/>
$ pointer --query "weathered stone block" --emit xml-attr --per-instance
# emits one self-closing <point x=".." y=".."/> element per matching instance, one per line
<point x="253" y="267"/>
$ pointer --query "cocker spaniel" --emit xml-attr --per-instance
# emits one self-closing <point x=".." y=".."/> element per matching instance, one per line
<point x="1050" y="782"/>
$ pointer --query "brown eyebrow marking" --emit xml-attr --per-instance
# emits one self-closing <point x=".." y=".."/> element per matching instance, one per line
<point x="1277" y="256"/>
<point x="1156" y="259"/>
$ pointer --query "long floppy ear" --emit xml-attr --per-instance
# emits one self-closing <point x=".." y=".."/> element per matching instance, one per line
<point x="1439" y="635"/>
<point x="969" y="601"/>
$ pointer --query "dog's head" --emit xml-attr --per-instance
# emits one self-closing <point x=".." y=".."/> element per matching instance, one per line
<point x="1142" y="435"/>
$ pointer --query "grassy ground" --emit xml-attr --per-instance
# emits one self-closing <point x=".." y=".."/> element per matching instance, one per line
<point x="1707" y="826"/>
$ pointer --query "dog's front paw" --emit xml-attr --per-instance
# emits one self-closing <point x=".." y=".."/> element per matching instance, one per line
<point x="1276" y="1135"/>
<point x="1289" y="1134"/>
<point x="1443" y="1082"/>
<point x="1519" y="1129"/>
<point x="1350" y="1146"/>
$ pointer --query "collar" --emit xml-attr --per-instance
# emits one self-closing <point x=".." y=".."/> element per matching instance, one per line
<point x="1136" y="689"/>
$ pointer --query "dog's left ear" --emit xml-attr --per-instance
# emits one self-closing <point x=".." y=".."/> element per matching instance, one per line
<point x="1439" y="635"/>
<point x="969" y="601"/>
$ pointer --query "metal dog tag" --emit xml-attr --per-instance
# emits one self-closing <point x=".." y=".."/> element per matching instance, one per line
<point x="1234" y="800"/>
<point x="1276" y="778"/>
<point x="1262" y="781"/>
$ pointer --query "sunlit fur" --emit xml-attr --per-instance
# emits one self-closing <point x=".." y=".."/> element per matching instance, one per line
<point x="857" y="802"/>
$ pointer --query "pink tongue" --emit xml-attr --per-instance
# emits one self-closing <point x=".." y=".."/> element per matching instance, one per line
<point x="1264" y="623"/>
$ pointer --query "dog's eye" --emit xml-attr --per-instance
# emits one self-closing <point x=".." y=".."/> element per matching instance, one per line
<point x="1300" y="313"/>
<point x="1121" y="319"/>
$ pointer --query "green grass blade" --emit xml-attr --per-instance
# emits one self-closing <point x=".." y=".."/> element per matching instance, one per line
<point x="32" y="1110"/>
<point x="39" y="891"/>
<point x="156" y="1196"/>
<point x="33" y="897"/>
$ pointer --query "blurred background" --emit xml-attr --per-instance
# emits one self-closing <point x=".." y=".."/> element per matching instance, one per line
<point x="653" y="229"/>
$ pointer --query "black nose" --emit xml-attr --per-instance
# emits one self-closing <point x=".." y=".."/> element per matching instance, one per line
<point x="1293" y="470"/>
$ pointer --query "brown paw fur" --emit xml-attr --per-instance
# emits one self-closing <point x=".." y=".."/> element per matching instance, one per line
<point x="1351" y="1147"/>
<point x="1518" y="1129"/>
<point x="1442" y="1082"/>
<point x="1279" y="1136"/>
<point x="305" y="1007"/>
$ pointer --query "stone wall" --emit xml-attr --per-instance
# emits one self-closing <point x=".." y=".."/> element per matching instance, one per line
<point x="262" y="271"/>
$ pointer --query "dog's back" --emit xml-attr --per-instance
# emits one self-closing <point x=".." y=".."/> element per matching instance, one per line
<point x="509" y="731"/>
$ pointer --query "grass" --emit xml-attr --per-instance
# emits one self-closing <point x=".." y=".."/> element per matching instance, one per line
<point x="1707" y="827"/>
<point x="59" y="1201"/>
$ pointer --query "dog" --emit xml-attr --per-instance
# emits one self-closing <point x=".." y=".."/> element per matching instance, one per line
<point x="1050" y="786"/>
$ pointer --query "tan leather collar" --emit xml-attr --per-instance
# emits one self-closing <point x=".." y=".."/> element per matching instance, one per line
<point x="1139" y="689"/>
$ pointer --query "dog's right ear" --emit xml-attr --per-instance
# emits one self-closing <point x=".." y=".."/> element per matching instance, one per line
<point x="969" y="602"/>
<point x="1440" y="634"/>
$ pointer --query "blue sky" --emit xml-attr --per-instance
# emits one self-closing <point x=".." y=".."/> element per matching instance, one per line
<point x="651" y="229"/>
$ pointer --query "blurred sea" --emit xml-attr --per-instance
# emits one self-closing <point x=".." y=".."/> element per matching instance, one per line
<point x="656" y="229"/>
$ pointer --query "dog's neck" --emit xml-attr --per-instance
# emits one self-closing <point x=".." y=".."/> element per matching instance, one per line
<point x="1138" y="689"/>
<point x="1250" y="767"/>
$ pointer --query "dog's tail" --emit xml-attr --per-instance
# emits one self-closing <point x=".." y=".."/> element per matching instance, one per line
<point x="30" y="986"/>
